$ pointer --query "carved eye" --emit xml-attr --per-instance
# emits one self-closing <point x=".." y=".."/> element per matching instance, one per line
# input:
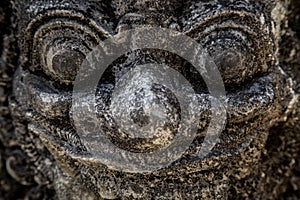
<point x="58" y="41"/>
<point x="240" y="48"/>
<point x="231" y="63"/>
<point x="66" y="63"/>
<point x="62" y="60"/>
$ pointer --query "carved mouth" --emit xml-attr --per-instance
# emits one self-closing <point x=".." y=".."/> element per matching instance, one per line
<point x="243" y="107"/>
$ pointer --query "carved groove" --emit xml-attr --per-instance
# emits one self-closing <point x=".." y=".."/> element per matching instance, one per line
<point x="64" y="28"/>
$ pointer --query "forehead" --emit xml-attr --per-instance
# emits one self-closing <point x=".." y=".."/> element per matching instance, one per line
<point x="120" y="7"/>
<point x="109" y="13"/>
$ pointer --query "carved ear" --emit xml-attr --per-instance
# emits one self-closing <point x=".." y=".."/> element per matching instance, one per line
<point x="239" y="39"/>
<point x="56" y="41"/>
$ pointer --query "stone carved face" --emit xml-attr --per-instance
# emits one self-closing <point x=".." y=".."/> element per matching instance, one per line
<point x="55" y="38"/>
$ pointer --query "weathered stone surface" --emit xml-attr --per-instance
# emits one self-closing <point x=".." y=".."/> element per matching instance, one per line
<point x="255" y="45"/>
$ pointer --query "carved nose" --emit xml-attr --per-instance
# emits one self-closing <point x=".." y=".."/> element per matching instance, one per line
<point x="145" y="114"/>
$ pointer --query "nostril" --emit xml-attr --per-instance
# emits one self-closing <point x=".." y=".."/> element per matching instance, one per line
<point x="137" y="113"/>
<point x="139" y="117"/>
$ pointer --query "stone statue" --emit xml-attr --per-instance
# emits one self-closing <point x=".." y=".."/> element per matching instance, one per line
<point x="255" y="45"/>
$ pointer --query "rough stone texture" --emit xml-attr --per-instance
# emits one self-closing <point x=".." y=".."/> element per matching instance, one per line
<point x="255" y="45"/>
